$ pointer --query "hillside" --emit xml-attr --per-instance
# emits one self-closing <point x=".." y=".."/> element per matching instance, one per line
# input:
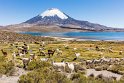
<point x="6" y="36"/>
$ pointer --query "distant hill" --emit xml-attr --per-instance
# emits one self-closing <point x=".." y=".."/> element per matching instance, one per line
<point x="6" y="36"/>
<point x="1" y="26"/>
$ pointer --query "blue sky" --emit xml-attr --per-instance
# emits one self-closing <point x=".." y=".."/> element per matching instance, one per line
<point x="105" y="12"/>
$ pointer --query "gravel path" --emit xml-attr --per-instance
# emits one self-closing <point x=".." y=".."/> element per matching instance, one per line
<point x="13" y="79"/>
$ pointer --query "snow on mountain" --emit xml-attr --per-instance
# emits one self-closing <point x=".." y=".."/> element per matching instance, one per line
<point x="54" y="12"/>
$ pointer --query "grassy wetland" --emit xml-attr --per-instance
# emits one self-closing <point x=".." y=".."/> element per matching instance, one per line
<point x="50" y="61"/>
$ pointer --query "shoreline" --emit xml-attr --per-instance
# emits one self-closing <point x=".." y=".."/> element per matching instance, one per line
<point x="79" y="39"/>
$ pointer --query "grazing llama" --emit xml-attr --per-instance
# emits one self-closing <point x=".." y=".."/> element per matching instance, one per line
<point x="4" y="53"/>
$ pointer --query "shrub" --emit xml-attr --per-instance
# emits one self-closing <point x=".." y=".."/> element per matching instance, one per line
<point x="38" y="64"/>
<point x="98" y="68"/>
<point x="117" y="69"/>
<point x="6" y="67"/>
<point x="44" y="75"/>
<point x="9" y="68"/>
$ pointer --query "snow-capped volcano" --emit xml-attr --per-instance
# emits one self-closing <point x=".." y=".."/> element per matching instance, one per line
<point x="50" y="16"/>
<point x="53" y="12"/>
<point x="54" y="16"/>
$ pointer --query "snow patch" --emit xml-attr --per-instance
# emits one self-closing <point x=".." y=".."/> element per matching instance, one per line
<point x="53" y="12"/>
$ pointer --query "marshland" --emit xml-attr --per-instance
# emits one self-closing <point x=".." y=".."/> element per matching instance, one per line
<point x="49" y="60"/>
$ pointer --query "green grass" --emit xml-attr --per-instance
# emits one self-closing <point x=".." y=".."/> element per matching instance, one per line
<point x="69" y="53"/>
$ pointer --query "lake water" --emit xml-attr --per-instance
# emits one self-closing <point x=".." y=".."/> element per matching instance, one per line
<point x="82" y="35"/>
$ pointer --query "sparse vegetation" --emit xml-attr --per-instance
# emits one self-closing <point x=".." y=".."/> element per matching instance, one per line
<point x="44" y="72"/>
<point x="6" y="67"/>
<point x="6" y="36"/>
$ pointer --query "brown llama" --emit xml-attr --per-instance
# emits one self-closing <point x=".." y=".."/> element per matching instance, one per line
<point x="51" y="52"/>
<point x="4" y="53"/>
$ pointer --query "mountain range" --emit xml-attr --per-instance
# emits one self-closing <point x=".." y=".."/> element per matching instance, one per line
<point x="54" y="20"/>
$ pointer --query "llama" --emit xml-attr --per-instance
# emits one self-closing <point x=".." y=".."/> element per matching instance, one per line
<point x="74" y="59"/>
<point x="22" y="54"/>
<point x="120" y="52"/>
<point x="4" y="53"/>
<point x="25" y="62"/>
<point x="88" y="62"/>
<point x="97" y="48"/>
<point x="59" y="64"/>
<point x="14" y="55"/>
<point x="71" y="66"/>
<point x="101" y="54"/>
<point x="44" y="59"/>
<point x="43" y="44"/>
<point x="51" y="52"/>
<point x="66" y="46"/>
<point x="74" y="49"/>
<point x="42" y="53"/>
<point x="77" y="54"/>
<point x="41" y="49"/>
<point x="59" y="52"/>
<point x="32" y="56"/>
<point x="24" y="49"/>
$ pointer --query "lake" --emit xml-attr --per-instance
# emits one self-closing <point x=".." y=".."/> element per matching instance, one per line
<point x="82" y="35"/>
